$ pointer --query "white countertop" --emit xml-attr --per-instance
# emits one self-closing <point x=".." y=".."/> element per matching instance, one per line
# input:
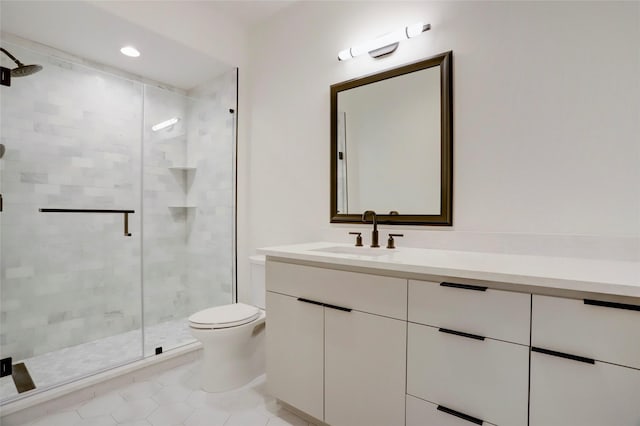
<point x="591" y="275"/>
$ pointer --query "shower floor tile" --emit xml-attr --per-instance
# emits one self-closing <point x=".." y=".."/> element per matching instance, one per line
<point x="139" y="404"/>
<point x="66" y="364"/>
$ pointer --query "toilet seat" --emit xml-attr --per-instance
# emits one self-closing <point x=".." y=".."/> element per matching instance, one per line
<point x="224" y="316"/>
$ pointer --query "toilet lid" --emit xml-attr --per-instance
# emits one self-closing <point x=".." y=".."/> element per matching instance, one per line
<point x="224" y="316"/>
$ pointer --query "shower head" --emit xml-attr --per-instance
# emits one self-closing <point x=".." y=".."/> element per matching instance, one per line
<point x="25" y="70"/>
<point x="22" y="70"/>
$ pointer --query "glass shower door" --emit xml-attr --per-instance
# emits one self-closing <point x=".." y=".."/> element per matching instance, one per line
<point x="70" y="293"/>
<point x="188" y="201"/>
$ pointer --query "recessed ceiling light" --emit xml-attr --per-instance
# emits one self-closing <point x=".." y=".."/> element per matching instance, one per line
<point x="130" y="51"/>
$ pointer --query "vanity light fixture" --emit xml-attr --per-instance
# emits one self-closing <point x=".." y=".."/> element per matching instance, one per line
<point x="165" y="124"/>
<point x="385" y="44"/>
<point x="130" y="51"/>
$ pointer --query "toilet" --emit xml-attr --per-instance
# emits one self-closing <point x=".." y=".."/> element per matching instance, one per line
<point x="232" y="337"/>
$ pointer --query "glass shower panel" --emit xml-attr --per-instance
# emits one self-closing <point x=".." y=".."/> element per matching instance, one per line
<point x="70" y="280"/>
<point x="188" y="202"/>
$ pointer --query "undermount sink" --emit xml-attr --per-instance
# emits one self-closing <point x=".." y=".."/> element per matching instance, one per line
<point x="361" y="251"/>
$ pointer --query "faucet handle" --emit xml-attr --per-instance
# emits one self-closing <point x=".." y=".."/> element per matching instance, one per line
<point x="358" y="238"/>
<point x="391" y="242"/>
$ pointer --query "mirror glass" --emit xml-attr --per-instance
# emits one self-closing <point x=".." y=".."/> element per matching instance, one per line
<point x="391" y="145"/>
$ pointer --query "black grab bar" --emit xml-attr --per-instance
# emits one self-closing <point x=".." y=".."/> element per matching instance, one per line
<point x="124" y="212"/>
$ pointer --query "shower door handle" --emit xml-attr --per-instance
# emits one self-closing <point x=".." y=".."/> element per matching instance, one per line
<point x="126" y="225"/>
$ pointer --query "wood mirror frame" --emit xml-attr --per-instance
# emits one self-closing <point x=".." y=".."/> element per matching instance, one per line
<point x="445" y="218"/>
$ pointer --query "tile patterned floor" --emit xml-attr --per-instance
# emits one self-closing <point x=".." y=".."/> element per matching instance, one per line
<point x="69" y="363"/>
<point x="173" y="398"/>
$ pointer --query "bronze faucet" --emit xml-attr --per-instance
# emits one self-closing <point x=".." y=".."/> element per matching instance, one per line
<point x="374" y="234"/>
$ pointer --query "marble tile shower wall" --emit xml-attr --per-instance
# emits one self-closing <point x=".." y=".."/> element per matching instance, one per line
<point x="73" y="141"/>
<point x="188" y="214"/>
<point x="165" y="227"/>
<point x="211" y="233"/>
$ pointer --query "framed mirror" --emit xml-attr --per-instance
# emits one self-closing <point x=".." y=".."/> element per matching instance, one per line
<point x="392" y="145"/>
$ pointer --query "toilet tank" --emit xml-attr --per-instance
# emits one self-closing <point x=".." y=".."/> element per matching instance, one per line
<point x="257" y="291"/>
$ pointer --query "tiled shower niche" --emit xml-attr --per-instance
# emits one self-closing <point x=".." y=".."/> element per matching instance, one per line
<point x="73" y="286"/>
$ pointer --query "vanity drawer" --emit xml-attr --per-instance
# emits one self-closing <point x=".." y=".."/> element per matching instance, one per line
<point x="487" y="379"/>
<point x="568" y="392"/>
<point x="424" y="413"/>
<point x="605" y="333"/>
<point x="362" y="292"/>
<point x="498" y="314"/>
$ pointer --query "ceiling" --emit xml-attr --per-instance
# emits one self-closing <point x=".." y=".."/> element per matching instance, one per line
<point x="250" y="12"/>
<point x="91" y="32"/>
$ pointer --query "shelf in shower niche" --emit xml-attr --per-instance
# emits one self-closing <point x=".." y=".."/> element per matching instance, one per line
<point x="183" y="168"/>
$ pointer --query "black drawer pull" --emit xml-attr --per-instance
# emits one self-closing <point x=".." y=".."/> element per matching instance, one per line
<point x="463" y="416"/>
<point x="326" y="305"/>
<point x="313" y="302"/>
<point x="340" y="308"/>
<point x="460" y="333"/>
<point x="612" y="305"/>
<point x="563" y="355"/>
<point x="464" y="286"/>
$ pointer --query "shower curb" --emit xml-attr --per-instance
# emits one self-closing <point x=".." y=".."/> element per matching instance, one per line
<point x="30" y="407"/>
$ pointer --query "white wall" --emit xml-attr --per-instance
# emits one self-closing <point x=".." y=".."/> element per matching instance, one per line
<point x="546" y="121"/>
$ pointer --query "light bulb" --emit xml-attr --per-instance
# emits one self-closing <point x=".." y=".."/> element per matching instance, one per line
<point x="388" y="39"/>
<point x="415" y="29"/>
<point x="345" y="54"/>
<point x="360" y="49"/>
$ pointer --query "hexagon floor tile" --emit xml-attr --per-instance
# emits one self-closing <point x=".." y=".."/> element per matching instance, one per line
<point x="207" y="417"/>
<point x="134" y="410"/>
<point x="102" y="405"/>
<point x="77" y="361"/>
<point x="139" y="390"/>
<point x="172" y="398"/>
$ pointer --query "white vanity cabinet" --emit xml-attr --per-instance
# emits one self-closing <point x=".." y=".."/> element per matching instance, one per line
<point x="585" y="363"/>
<point x="336" y="344"/>
<point x="369" y="348"/>
<point x="458" y="357"/>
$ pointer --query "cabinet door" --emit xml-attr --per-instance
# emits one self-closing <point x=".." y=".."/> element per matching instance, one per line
<point x="486" y="379"/>
<point x="501" y="315"/>
<point x="424" y="413"/>
<point x="588" y="328"/>
<point x="295" y="334"/>
<point x="565" y="392"/>
<point x="364" y="369"/>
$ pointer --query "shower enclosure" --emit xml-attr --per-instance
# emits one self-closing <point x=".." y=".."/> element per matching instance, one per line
<point x="118" y="217"/>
